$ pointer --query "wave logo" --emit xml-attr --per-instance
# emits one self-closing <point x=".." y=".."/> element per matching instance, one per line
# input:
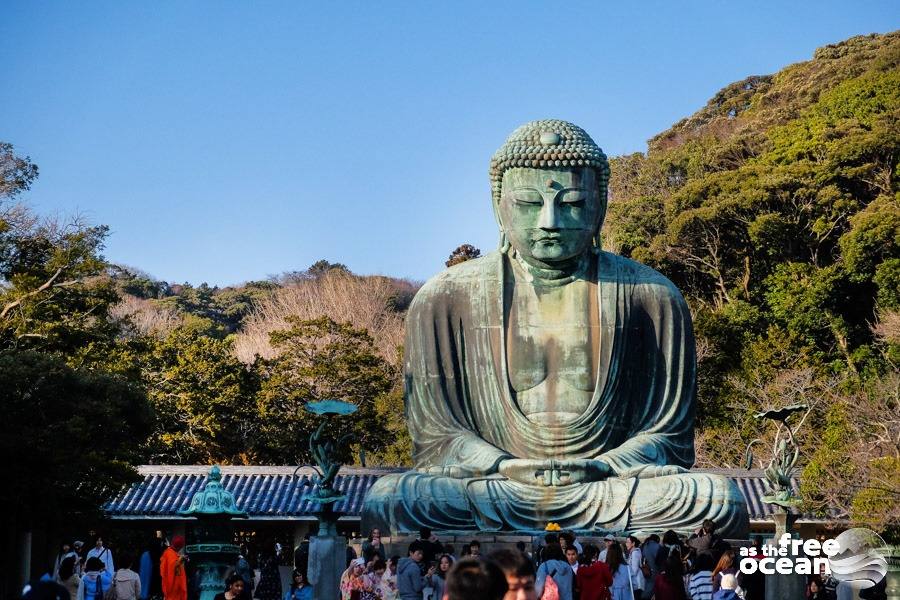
<point x="859" y="560"/>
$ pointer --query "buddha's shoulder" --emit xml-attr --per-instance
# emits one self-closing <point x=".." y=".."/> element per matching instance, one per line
<point x="644" y="279"/>
<point x="460" y="280"/>
<point x="465" y="274"/>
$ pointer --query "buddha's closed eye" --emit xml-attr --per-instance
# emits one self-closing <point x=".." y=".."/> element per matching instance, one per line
<point x="527" y="197"/>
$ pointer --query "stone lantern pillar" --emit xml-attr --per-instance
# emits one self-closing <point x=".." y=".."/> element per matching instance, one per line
<point x="214" y="552"/>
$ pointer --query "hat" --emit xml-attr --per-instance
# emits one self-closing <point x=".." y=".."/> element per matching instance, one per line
<point x="178" y="542"/>
<point x="728" y="582"/>
<point x="608" y="538"/>
<point x="78" y="544"/>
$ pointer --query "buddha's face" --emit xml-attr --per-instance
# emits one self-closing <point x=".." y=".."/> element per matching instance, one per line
<point x="550" y="216"/>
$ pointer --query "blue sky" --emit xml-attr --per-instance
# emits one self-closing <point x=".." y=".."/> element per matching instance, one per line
<point x="229" y="141"/>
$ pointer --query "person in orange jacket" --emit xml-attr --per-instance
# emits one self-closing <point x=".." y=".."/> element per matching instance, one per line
<point x="172" y="571"/>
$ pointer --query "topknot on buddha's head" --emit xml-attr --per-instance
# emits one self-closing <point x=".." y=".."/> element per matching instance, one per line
<point x="548" y="144"/>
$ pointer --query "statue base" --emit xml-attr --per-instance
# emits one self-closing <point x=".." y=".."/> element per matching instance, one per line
<point x="779" y="587"/>
<point x="327" y="562"/>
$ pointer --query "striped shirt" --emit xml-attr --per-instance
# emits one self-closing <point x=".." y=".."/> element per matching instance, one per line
<point x="700" y="586"/>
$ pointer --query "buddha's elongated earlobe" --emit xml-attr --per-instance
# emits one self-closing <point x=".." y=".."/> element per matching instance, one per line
<point x="504" y="241"/>
<point x="597" y="242"/>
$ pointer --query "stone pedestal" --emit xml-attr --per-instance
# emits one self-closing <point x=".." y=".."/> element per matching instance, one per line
<point x="327" y="562"/>
<point x="783" y="587"/>
<point x="892" y="554"/>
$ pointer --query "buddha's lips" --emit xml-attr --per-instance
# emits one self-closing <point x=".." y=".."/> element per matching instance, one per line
<point x="540" y="235"/>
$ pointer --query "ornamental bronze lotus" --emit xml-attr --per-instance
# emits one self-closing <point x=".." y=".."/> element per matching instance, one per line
<point x="785" y="454"/>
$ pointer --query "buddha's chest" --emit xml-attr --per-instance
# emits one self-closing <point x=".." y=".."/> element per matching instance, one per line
<point x="552" y="340"/>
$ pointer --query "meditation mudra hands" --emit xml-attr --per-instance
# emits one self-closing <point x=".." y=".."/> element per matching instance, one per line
<point x="553" y="473"/>
<point x="545" y="473"/>
<point x="549" y="473"/>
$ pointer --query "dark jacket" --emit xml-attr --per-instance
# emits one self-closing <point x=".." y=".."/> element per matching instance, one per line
<point x="703" y="544"/>
<point x="655" y="555"/>
<point x="369" y="552"/>
<point x="430" y="551"/>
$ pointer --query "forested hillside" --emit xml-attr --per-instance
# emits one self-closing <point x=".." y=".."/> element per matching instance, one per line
<point x="228" y="370"/>
<point x="774" y="208"/>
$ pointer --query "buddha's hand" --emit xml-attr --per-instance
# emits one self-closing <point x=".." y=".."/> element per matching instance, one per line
<point x="555" y="472"/>
<point x="650" y="471"/>
<point x="454" y="472"/>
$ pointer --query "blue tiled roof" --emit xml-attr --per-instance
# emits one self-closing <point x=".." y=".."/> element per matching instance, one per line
<point x="275" y="493"/>
<point x="263" y="492"/>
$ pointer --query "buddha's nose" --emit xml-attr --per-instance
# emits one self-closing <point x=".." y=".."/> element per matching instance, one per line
<point x="549" y="217"/>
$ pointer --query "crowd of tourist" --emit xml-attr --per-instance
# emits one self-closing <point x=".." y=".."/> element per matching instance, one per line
<point x="700" y="567"/>
<point x="91" y="572"/>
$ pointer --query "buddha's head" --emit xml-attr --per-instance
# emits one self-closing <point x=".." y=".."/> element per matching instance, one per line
<point x="548" y="183"/>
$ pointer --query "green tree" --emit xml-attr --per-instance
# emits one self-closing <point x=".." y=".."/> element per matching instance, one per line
<point x="236" y="303"/>
<point x="320" y="267"/>
<point x="774" y="209"/>
<point x="16" y="173"/>
<point x="462" y="254"/>
<point x="72" y="436"/>
<point x="55" y="298"/>
<point x="75" y="428"/>
<point x="321" y="359"/>
<point x="133" y="282"/>
<point x="202" y="396"/>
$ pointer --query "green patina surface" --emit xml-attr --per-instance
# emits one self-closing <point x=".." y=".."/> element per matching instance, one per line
<point x="549" y="380"/>
<point x="214" y="555"/>
<point x="213" y="500"/>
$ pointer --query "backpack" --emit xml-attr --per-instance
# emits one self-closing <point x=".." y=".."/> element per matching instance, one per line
<point x="551" y="590"/>
<point x="111" y="594"/>
<point x="645" y="569"/>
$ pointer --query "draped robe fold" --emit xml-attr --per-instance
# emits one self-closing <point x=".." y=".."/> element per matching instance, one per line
<point x="464" y="420"/>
